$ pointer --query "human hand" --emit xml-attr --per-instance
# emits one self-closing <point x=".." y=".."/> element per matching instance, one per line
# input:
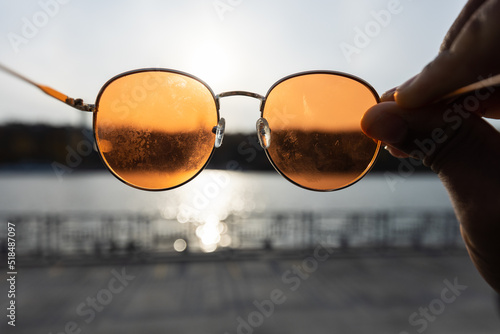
<point x="452" y="138"/>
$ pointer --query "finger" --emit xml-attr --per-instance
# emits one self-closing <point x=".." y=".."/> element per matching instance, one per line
<point x="389" y="95"/>
<point x="407" y="130"/>
<point x="468" y="10"/>
<point x="471" y="57"/>
<point x="457" y="26"/>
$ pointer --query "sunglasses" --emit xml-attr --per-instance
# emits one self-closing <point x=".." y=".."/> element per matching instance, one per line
<point x="156" y="129"/>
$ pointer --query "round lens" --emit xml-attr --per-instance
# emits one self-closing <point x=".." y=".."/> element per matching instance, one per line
<point x="316" y="138"/>
<point x="154" y="128"/>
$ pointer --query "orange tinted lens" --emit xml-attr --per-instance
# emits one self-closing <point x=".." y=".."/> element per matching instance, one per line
<point x="316" y="138"/>
<point x="154" y="128"/>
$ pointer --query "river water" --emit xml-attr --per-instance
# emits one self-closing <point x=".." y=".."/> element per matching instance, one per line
<point x="213" y="192"/>
<point x="220" y="207"/>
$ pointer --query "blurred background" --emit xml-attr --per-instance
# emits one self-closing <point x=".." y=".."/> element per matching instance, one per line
<point x="239" y="249"/>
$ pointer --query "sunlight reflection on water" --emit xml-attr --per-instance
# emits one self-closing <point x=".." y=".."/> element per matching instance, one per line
<point x="211" y="201"/>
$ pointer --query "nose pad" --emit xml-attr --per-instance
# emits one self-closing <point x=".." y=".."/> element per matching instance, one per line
<point x="263" y="133"/>
<point x="219" y="132"/>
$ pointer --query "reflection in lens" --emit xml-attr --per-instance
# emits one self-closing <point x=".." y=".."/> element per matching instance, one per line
<point x="154" y="128"/>
<point x="317" y="140"/>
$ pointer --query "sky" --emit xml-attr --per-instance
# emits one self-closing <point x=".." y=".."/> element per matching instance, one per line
<point x="75" y="46"/>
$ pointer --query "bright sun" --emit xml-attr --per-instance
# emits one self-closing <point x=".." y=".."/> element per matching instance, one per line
<point x="210" y="62"/>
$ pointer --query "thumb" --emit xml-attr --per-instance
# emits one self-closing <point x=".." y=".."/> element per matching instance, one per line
<point x="441" y="135"/>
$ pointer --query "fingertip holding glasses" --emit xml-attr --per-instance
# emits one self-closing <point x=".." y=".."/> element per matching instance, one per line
<point x="156" y="129"/>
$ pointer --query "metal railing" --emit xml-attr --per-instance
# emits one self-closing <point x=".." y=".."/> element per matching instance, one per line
<point x="104" y="234"/>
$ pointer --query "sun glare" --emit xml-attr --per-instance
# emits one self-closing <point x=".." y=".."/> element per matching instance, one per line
<point x="210" y="62"/>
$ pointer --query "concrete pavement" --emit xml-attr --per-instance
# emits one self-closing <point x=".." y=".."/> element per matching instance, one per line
<point x="313" y="294"/>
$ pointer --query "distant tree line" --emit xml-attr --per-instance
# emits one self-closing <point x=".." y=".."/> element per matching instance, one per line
<point x="41" y="146"/>
<point x="38" y="146"/>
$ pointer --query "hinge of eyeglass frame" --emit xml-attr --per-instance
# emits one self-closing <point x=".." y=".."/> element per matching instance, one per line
<point x="80" y="105"/>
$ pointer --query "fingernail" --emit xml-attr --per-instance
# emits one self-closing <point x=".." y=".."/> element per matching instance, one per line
<point x="389" y="95"/>
<point x="403" y="89"/>
<point x="384" y="126"/>
<point x="395" y="152"/>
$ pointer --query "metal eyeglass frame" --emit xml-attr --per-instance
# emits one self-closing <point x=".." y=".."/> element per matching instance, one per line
<point x="262" y="126"/>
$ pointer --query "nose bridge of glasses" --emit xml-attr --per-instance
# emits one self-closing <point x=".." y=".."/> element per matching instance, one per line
<point x="263" y="130"/>
<point x="241" y="93"/>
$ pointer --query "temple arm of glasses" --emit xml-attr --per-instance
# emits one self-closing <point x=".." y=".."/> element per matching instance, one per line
<point x="75" y="103"/>
<point x="484" y="83"/>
